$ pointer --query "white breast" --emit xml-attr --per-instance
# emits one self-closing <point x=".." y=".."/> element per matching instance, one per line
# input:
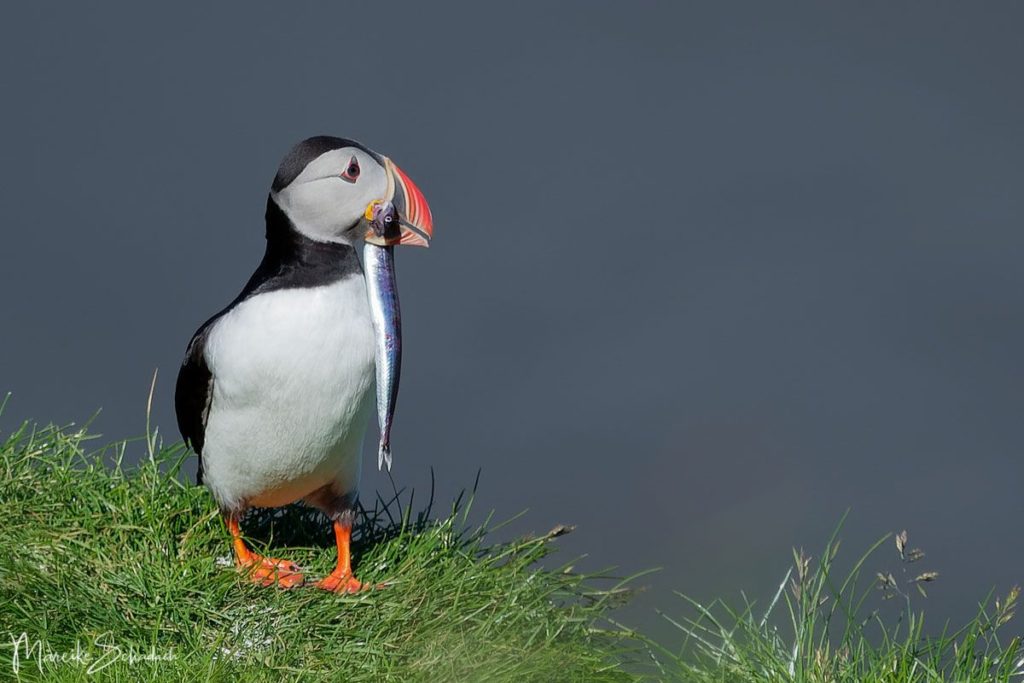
<point x="293" y="374"/>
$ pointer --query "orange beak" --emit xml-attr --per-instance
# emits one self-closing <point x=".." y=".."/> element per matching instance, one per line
<point x="415" y="225"/>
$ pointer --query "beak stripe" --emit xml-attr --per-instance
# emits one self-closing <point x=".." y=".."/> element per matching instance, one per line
<point x="417" y="211"/>
<point x="413" y="235"/>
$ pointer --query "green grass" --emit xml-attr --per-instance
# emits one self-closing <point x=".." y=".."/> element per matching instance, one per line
<point x="100" y="556"/>
<point x="828" y="626"/>
<point x="113" y="561"/>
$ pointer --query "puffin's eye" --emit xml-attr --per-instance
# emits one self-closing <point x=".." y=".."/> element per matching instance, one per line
<point x="352" y="172"/>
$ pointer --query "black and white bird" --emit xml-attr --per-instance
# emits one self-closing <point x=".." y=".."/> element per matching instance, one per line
<point x="276" y="390"/>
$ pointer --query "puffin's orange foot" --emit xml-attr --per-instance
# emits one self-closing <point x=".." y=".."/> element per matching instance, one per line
<point x="270" y="571"/>
<point x="341" y="582"/>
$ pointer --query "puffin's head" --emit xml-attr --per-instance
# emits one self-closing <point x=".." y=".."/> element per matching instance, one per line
<point x="326" y="184"/>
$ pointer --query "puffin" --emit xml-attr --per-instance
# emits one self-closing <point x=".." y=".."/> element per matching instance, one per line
<point x="277" y="389"/>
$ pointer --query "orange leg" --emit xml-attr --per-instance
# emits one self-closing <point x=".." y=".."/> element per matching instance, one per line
<point x="266" y="571"/>
<point x="341" y="579"/>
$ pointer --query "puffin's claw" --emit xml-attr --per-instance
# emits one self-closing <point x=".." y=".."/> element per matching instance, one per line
<point x="270" y="571"/>
<point x="265" y="571"/>
<point x="339" y="582"/>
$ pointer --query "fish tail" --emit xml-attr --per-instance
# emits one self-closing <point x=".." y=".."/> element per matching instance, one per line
<point x="384" y="456"/>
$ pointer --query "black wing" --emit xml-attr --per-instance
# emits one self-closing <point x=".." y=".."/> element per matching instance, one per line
<point x="192" y="394"/>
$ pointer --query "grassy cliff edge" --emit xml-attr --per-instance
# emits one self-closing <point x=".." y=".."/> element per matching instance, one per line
<point x="111" y="572"/>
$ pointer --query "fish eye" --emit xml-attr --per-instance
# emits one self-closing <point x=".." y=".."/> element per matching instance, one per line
<point x="352" y="172"/>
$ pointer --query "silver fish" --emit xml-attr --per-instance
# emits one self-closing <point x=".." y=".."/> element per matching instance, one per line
<point x="382" y="289"/>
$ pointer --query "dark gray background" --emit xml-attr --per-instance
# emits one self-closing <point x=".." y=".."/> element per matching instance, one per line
<point x="703" y="278"/>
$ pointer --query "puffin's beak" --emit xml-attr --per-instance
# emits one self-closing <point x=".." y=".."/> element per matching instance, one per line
<point x="415" y="224"/>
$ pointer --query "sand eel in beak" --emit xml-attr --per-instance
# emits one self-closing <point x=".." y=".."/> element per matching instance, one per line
<point x="276" y="390"/>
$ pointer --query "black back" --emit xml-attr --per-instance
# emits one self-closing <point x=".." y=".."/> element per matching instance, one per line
<point x="291" y="261"/>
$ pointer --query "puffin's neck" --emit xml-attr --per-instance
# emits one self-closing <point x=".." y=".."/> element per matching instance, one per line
<point x="286" y="244"/>
<point x="293" y="260"/>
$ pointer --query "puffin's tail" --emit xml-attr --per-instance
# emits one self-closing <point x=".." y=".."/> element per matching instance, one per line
<point x="384" y="455"/>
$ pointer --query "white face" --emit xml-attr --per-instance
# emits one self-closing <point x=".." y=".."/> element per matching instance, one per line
<point x="327" y="200"/>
